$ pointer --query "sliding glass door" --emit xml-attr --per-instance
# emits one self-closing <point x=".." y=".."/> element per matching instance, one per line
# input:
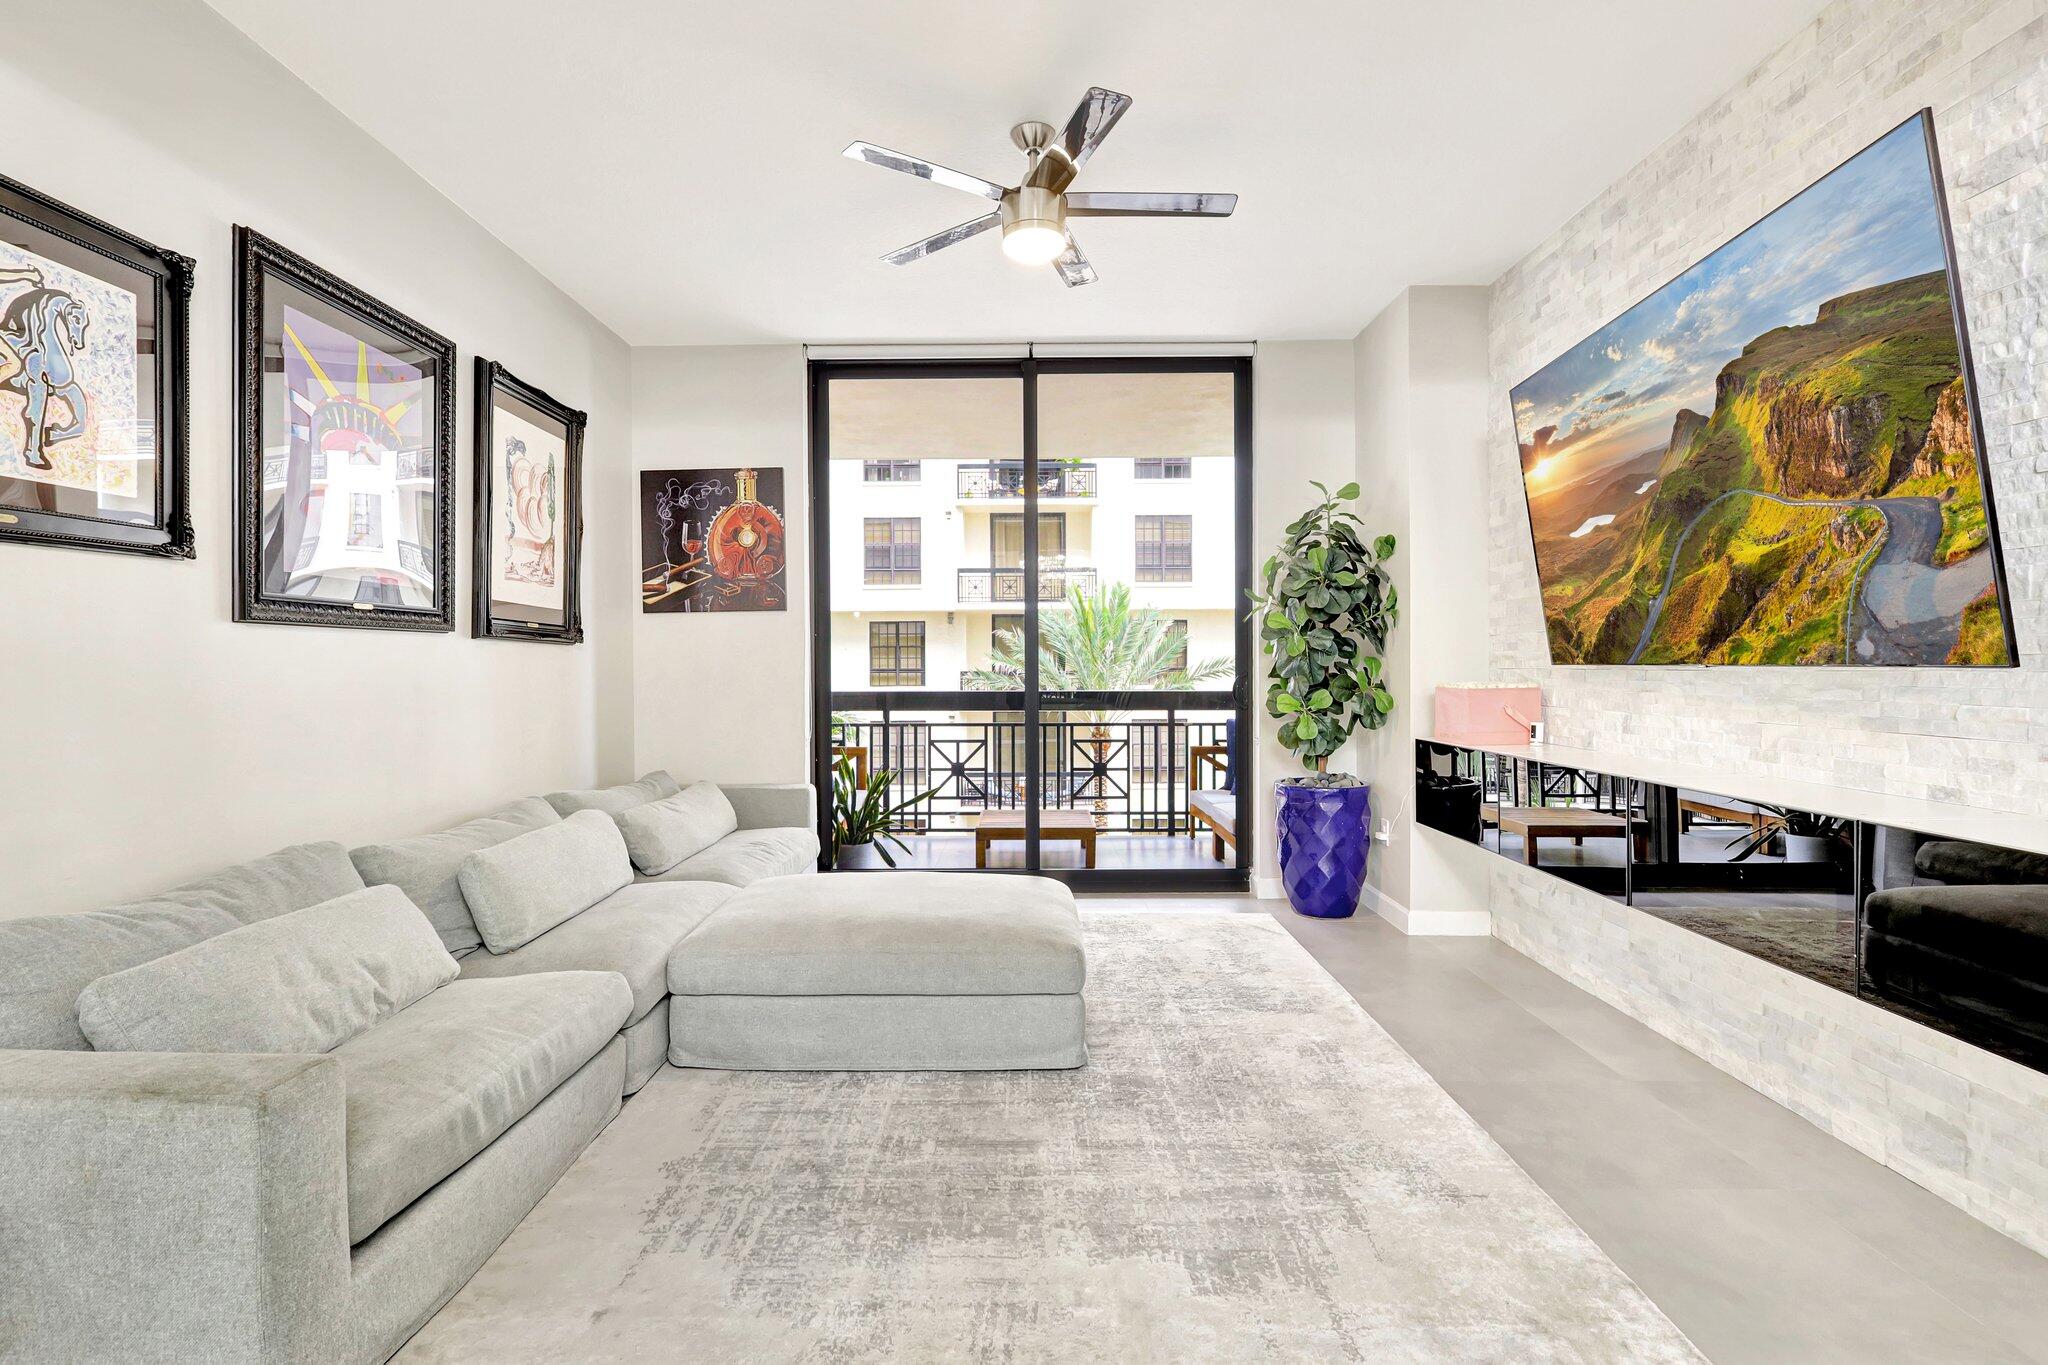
<point x="1030" y="641"/>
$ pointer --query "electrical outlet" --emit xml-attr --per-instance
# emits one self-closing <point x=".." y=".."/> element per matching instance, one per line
<point x="1383" y="833"/>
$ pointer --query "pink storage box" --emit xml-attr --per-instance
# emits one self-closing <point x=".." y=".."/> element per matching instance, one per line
<point x="1487" y="715"/>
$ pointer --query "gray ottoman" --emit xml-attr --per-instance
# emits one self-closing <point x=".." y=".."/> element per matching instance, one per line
<point x="887" y="971"/>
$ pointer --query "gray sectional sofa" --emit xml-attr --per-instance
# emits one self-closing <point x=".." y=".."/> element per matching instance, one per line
<point x="291" y="1145"/>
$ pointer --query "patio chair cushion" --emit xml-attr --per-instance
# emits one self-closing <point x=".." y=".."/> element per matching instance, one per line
<point x="1220" y="806"/>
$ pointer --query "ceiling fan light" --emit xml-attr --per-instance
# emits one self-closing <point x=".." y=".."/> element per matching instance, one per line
<point x="1033" y="242"/>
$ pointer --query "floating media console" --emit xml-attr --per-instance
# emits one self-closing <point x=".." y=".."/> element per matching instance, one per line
<point x="1932" y="911"/>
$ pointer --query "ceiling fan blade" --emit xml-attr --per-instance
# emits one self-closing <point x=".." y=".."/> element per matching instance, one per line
<point x="1072" y="265"/>
<point x="1069" y="151"/>
<point x="1093" y="118"/>
<point x="924" y="170"/>
<point x="1143" y="204"/>
<point x="939" y="241"/>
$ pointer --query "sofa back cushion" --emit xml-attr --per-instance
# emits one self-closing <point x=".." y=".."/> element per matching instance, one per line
<point x="662" y="833"/>
<point x="306" y="981"/>
<point x="424" y="867"/>
<point x="613" y="800"/>
<point x="46" y="961"/>
<point x="520" y="889"/>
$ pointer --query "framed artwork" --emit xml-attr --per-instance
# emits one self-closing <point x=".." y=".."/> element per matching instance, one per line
<point x="344" y="452"/>
<point x="712" y="540"/>
<point x="529" y="511"/>
<point x="93" y="382"/>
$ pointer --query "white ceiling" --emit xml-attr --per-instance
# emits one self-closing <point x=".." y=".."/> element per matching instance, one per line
<point x="675" y="167"/>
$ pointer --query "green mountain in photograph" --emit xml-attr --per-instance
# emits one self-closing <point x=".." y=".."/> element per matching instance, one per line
<point x="1828" y="509"/>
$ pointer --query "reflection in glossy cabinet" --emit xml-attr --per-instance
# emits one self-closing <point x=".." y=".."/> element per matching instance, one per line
<point x="1945" y="931"/>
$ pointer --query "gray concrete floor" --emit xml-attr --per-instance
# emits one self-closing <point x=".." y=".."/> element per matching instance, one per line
<point x="1763" y="1238"/>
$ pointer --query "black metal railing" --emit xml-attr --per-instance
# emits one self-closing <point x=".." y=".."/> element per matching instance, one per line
<point x="1005" y="479"/>
<point x="1007" y="585"/>
<point x="412" y="558"/>
<point x="1129" y="770"/>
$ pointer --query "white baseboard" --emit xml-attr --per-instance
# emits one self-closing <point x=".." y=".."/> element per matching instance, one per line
<point x="1447" y="923"/>
<point x="1441" y="923"/>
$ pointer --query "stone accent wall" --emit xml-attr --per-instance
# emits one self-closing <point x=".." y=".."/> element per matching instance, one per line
<point x="1967" y="1125"/>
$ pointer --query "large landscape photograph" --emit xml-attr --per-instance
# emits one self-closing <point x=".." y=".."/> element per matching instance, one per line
<point x="1772" y="460"/>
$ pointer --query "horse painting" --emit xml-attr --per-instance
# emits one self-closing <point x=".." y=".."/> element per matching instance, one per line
<point x="41" y="330"/>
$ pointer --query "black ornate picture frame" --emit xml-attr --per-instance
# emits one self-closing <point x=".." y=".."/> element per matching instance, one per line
<point x="528" y="526"/>
<point x="344" y="452"/>
<point x="94" y="383"/>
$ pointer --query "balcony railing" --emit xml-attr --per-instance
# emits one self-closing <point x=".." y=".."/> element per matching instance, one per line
<point x="412" y="558"/>
<point x="1007" y="585"/>
<point x="1005" y="479"/>
<point x="1130" y="773"/>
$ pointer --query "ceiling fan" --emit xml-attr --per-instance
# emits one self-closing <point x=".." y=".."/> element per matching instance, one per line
<point x="1034" y="212"/>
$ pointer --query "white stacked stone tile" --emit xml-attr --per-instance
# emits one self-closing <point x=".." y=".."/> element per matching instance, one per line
<point x="1968" y="1125"/>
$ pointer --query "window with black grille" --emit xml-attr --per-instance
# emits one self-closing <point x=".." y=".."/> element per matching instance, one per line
<point x="895" y="654"/>
<point x="1166" y="549"/>
<point x="893" y="550"/>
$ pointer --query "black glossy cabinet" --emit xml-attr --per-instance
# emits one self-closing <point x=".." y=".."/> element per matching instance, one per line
<point x="1950" y="932"/>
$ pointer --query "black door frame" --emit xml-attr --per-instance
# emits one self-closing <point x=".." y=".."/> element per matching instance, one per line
<point x="1236" y="877"/>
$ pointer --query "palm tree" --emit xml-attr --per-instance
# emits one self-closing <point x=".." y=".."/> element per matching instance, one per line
<point x="1100" y="643"/>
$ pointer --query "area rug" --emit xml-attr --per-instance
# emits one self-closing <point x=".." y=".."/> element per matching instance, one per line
<point x="1248" y="1168"/>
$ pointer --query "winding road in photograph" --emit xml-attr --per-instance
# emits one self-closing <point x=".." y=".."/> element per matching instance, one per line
<point x="1905" y="610"/>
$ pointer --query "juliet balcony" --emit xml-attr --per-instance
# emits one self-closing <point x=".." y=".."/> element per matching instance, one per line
<point x="1007" y="585"/>
<point x="1005" y="479"/>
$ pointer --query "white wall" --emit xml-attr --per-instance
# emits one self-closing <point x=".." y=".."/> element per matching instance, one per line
<point x="1302" y="429"/>
<point x="725" y="696"/>
<point x="1420" y="389"/>
<point x="149" y="738"/>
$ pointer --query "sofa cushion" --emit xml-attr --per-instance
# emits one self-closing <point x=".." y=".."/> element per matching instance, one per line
<point x="917" y="933"/>
<point x="614" y="800"/>
<point x="520" y="889"/>
<point x="1963" y="863"/>
<point x="660" y="834"/>
<point x="631" y="932"/>
<point x="304" y="981"/>
<point x="45" y="961"/>
<point x="433" y="1085"/>
<point x="749" y="855"/>
<point x="424" y="867"/>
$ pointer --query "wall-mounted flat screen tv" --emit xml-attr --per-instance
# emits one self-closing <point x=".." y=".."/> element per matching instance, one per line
<point x="1776" y="458"/>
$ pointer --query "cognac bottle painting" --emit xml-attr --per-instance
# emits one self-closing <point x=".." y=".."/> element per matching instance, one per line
<point x="712" y="540"/>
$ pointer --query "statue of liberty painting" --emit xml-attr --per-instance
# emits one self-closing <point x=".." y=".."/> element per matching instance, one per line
<point x="42" y="332"/>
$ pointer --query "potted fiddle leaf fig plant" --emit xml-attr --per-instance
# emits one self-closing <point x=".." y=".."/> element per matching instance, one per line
<point x="1325" y="605"/>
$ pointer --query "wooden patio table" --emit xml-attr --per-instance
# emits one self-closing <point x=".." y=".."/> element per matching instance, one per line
<point x="1068" y="826"/>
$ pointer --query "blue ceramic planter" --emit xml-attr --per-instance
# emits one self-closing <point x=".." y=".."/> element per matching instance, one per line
<point x="1324" y="839"/>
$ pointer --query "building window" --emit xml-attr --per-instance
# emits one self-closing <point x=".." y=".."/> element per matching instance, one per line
<point x="1177" y="635"/>
<point x="894" y="550"/>
<point x="895" y="654"/>
<point x="1166" y="549"/>
<point x="891" y="471"/>
<point x="1006" y="539"/>
<point x="1165" y="467"/>
<point x="366" y="521"/>
<point x="1003" y="623"/>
